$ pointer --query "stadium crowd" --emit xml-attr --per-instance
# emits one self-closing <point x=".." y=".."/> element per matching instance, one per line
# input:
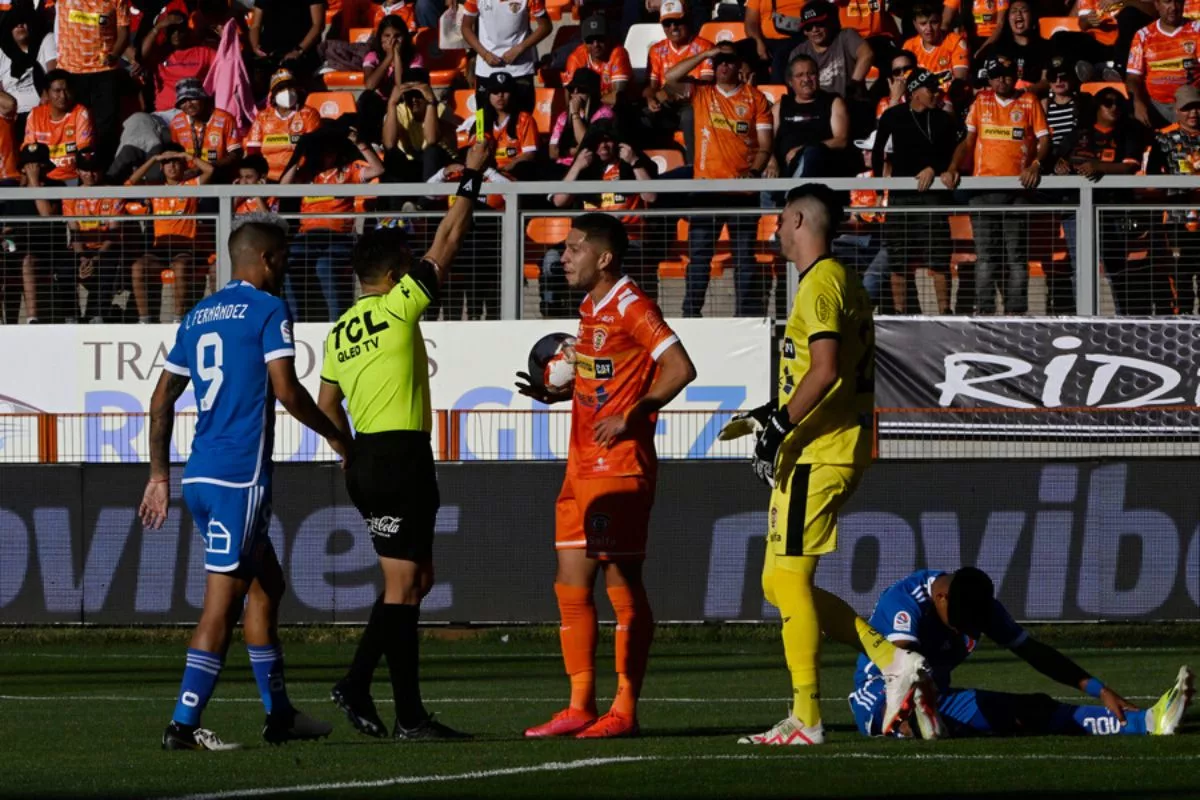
<point x="187" y="92"/>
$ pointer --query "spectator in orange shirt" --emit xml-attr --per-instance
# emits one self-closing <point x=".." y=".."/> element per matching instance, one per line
<point x="205" y="132"/>
<point x="776" y="28"/>
<point x="1106" y="30"/>
<point x="96" y="242"/>
<point x="92" y="36"/>
<point x="40" y="248"/>
<point x="734" y="134"/>
<point x="280" y="125"/>
<point x="176" y="243"/>
<point x="403" y="9"/>
<point x="252" y="171"/>
<point x="1161" y="59"/>
<point x="62" y="125"/>
<point x="944" y="53"/>
<point x="514" y="132"/>
<point x="1007" y="134"/>
<point x="10" y="174"/>
<point x="320" y="254"/>
<point x="171" y="56"/>
<point x="600" y="55"/>
<point x="1175" y="151"/>
<point x="602" y="157"/>
<point x="669" y="105"/>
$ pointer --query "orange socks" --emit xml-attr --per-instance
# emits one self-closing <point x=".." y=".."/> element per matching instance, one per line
<point x="578" y="636"/>
<point x="635" y="631"/>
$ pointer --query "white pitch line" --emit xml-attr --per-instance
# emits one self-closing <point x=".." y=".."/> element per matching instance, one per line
<point x="109" y="698"/>
<point x="588" y="763"/>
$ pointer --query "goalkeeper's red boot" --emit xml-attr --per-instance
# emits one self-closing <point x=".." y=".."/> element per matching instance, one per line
<point x="613" y="725"/>
<point x="567" y="722"/>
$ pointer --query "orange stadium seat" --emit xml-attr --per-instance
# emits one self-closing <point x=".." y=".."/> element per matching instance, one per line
<point x="445" y="66"/>
<point x="665" y="160"/>
<point x="1052" y="25"/>
<point x="463" y="106"/>
<point x="360" y="35"/>
<point x="332" y="105"/>
<point x="773" y="91"/>
<point x="556" y="8"/>
<point x="717" y="32"/>
<point x="543" y="233"/>
<point x="547" y="105"/>
<point x="343" y="81"/>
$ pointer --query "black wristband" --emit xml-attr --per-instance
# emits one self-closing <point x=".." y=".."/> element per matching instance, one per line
<point x="470" y="184"/>
<point x="781" y="420"/>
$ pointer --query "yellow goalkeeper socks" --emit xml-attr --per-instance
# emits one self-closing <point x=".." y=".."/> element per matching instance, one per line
<point x="840" y="623"/>
<point x="801" y="635"/>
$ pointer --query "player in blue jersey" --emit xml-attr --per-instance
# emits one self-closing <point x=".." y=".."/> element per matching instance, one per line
<point x="943" y="614"/>
<point x="235" y="348"/>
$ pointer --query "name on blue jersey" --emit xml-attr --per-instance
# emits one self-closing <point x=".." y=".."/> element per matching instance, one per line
<point x="217" y="313"/>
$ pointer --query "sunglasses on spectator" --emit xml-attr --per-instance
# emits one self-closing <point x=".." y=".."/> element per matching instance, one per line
<point x="672" y="23"/>
<point x="1059" y="77"/>
<point x="898" y="71"/>
<point x="595" y="40"/>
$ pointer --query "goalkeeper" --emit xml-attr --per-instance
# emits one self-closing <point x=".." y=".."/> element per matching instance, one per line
<point x="942" y="615"/>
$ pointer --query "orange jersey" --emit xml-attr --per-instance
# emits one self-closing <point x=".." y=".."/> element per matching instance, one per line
<point x="9" y="168"/>
<point x="867" y="198"/>
<point x="618" y="201"/>
<point x="212" y="140"/>
<point x="277" y="136"/>
<point x="1191" y="9"/>
<point x="249" y="205"/>
<point x="102" y="209"/>
<point x="942" y="60"/>
<point x="1106" y="32"/>
<point x="620" y="339"/>
<point x="766" y="15"/>
<point x="403" y="10"/>
<point x="174" y="207"/>
<point x="1165" y="61"/>
<point x="87" y="31"/>
<point x="868" y="17"/>
<point x="986" y="14"/>
<point x="508" y="147"/>
<point x="616" y="68"/>
<point x="1006" y="133"/>
<point x="727" y="127"/>
<point x="663" y="56"/>
<point x="332" y="205"/>
<point x="64" y="137"/>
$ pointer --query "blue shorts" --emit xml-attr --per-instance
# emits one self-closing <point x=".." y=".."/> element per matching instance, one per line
<point x="234" y="523"/>
<point x="966" y="712"/>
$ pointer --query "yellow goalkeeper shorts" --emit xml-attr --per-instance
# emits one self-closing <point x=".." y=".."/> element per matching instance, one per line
<point x="804" y="508"/>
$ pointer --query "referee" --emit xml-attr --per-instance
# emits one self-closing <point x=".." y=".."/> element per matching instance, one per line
<point x="375" y="359"/>
<point x="917" y="139"/>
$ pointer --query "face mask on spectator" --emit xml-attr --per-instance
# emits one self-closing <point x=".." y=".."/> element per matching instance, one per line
<point x="287" y="98"/>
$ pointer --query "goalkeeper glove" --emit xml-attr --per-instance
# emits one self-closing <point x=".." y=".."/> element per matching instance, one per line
<point x="746" y="423"/>
<point x="776" y="429"/>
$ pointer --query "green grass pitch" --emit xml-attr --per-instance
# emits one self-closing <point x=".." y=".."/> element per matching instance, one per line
<point x="81" y="713"/>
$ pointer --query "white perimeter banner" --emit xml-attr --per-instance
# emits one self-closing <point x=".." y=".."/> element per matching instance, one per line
<point x="112" y="370"/>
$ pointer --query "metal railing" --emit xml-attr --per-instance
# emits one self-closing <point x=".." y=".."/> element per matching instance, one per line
<point x="1068" y="196"/>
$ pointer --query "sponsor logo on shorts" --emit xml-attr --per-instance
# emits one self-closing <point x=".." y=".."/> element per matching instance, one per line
<point x="384" y="526"/>
<point x="902" y="622"/>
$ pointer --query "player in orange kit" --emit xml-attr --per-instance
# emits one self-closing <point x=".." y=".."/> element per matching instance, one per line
<point x="628" y="365"/>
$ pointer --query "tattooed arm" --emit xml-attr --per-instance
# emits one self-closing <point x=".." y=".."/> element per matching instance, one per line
<point x="153" y="510"/>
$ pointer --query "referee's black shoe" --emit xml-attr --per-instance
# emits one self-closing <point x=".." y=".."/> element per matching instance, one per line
<point x="427" y="729"/>
<point x="359" y="708"/>
<point x="294" y="726"/>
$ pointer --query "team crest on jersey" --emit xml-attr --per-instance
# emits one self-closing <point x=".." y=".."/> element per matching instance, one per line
<point x="902" y="622"/>
<point x="599" y="337"/>
<point x="285" y="331"/>
<point x="514" y="8"/>
<point x="1016" y="115"/>
<point x="214" y="138"/>
<point x="943" y="61"/>
<point x="741" y="110"/>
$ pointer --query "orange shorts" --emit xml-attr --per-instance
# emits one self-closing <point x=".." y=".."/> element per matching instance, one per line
<point x="608" y="517"/>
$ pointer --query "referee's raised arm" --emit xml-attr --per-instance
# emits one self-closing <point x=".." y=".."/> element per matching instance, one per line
<point x="455" y="224"/>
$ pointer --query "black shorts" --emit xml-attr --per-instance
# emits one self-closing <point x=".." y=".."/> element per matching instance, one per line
<point x="392" y="481"/>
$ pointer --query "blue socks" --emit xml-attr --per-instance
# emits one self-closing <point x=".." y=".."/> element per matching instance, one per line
<point x="1099" y="721"/>
<point x="267" y="663"/>
<point x="199" y="679"/>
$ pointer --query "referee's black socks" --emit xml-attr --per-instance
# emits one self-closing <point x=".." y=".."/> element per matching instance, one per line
<point x="399" y="641"/>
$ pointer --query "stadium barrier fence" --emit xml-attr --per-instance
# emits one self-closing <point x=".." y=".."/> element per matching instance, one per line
<point x="1033" y="251"/>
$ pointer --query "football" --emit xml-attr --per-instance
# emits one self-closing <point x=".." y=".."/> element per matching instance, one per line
<point x="552" y="361"/>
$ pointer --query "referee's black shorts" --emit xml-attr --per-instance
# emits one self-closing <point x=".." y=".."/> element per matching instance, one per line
<point x="393" y="484"/>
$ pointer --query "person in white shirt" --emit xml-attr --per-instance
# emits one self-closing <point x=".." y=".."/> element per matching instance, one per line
<point x="504" y="35"/>
<point x="25" y="46"/>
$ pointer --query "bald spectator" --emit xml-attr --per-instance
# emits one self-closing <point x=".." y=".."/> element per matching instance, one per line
<point x="668" y="104"/>
<point x="842" y="56"/>
<point x="92" y="36"/>
<point x="1007" y="135"/>
<point x="1161" y="59"/>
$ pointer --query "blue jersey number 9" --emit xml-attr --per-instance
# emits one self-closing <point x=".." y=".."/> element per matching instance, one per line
<point x="208" y="368"/>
